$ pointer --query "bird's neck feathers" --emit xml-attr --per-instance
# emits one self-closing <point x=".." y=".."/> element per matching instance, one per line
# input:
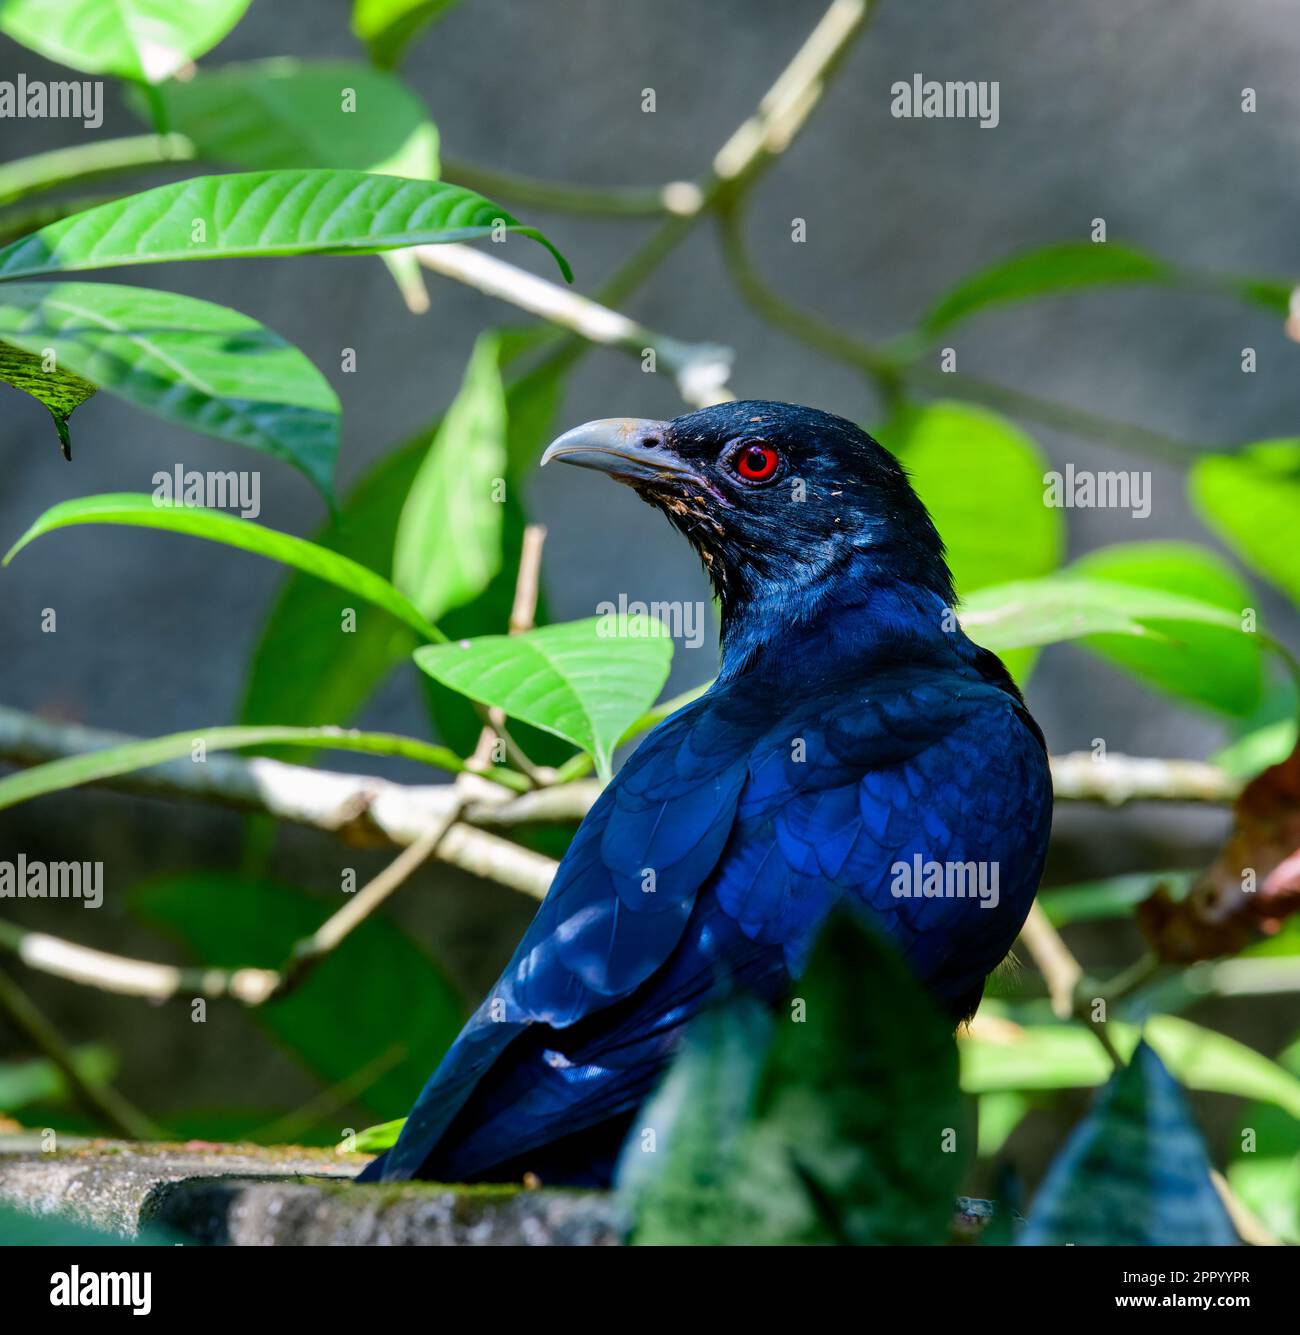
<point x="862" y="606"/>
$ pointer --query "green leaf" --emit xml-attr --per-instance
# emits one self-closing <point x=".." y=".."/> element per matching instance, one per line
<point x="145" y="40"/>
<point x="806" y="1145"/>
<point x="92" y="766"/>
<point x="388" y="26"/>
<point x="81" y="163"/>
<point x="284" y="113"/>
<point x="1251" y="499"/>
<point x="378" y="1004"/>
<point x="686" y="1167"/>
<point x="1114" y="897"/>
<point x="39" y="1080"/>
<point x="377" y="1139"/>
<point x="1133" y="1173"/>
<point x="1265" y="1169"/>
<point x="307" y="670"/>
<point x="303" y="212"/>
<point x="1053" y="1056"/>
<point x="1046" y="271"/>
<point x="836" y="1080"/>
<point x="187" y="361"/>
<point x="448" y="545"/>
<point x="1070" y="607"/>
<point x="586" y="681"/>
<point x="1209" y="665"/>
<point x="982" y="481"/>
<point x="59" y="388"/>
<point x="1258" y="749"/>
<point x="145" y="512"/>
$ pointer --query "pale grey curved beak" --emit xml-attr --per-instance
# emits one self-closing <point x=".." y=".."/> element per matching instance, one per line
<point x="631" y="449"/>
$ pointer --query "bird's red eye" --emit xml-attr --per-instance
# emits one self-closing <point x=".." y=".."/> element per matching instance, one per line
<point x="757" y="462"/>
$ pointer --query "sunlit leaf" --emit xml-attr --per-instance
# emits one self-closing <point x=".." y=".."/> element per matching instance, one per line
<point x="139" y="511"/>
<point x="187" y="361"/>
<point x="1251" y="500"/>
<point x="133" y="39"/>
<point x="388" y="26"/>
<point x="305" y="212"/>
<point x="1208" y="664"/>
<point x="585" y="681"/>
<point x="449" y="537"/>
<point x="58" y="388"/>
<point x="93" y="766"/>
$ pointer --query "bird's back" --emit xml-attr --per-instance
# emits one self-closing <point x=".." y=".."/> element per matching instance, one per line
<point x="916" y="789"/>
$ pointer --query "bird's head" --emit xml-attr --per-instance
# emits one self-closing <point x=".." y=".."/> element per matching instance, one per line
<point x="778" y="500"/>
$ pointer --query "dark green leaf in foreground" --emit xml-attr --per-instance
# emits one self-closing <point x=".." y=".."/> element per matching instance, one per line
<point x="374" y="1017"/>
<point x="144" y="40"/>
<point x="190" y="362"/>
<point x="855" y="1128"/>
<point x="263" y="213"/>
<point x="40" y="375"/>
<point x="1133" y="1173"/>
<point x="388" y="26"/>
<point x="586" y="681"/>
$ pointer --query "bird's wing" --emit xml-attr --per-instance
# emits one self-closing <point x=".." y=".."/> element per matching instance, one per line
<point x="613" y="915"/>
<point x="911" y="764"/>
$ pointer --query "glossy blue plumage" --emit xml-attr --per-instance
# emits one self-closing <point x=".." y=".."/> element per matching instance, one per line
<point x="850" y="731"/>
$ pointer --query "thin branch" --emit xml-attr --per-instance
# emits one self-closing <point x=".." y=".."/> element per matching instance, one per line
<point x="677" y="198"/>
<point x="889" y="373"/>
<point x="308" y="953"/>
<point x="1079" y="776"/>
<point x="99" y="1098"/>
<point x="699" y="369"/>
<point x="1061" y="971"/>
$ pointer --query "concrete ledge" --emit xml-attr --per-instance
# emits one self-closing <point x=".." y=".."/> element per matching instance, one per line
<point x="246" y="1195"/>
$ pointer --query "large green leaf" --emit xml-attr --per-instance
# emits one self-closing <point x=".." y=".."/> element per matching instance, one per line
<point x="448" y="544"/>
<point x="263" y="213"/>
<point x="145" y="512"/>
<point x="586" y="681"/>
<point x="1057" y="1056"/>
<point x="1134" y="1172"/>
<point x="377" y="1003"/>
<point x="388" y="26"/>
<point x="686" y="1166"/>
<point x="1209" y="665"/>
<point x="806" y="1143"/>
<point x="191" y="362"/>
<point x="1265" y="1168"/>
<point x="306" y="669"/>
<point x="126" y="758"/>
<point x="35" y="372"/>
<point x="284" y="113"/>
<point x="133" y="39"/>
<point x="982" y="480"/>
<point x="1251" y="500"/>
<point x="1046" y="271"/>
<point x="1071" y="607"/>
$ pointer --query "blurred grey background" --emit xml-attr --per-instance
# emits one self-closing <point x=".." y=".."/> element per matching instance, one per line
<point x="1127" y="110"/>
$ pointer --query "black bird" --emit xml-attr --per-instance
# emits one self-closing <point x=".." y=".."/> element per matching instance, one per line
<point x="855" y="747"/>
